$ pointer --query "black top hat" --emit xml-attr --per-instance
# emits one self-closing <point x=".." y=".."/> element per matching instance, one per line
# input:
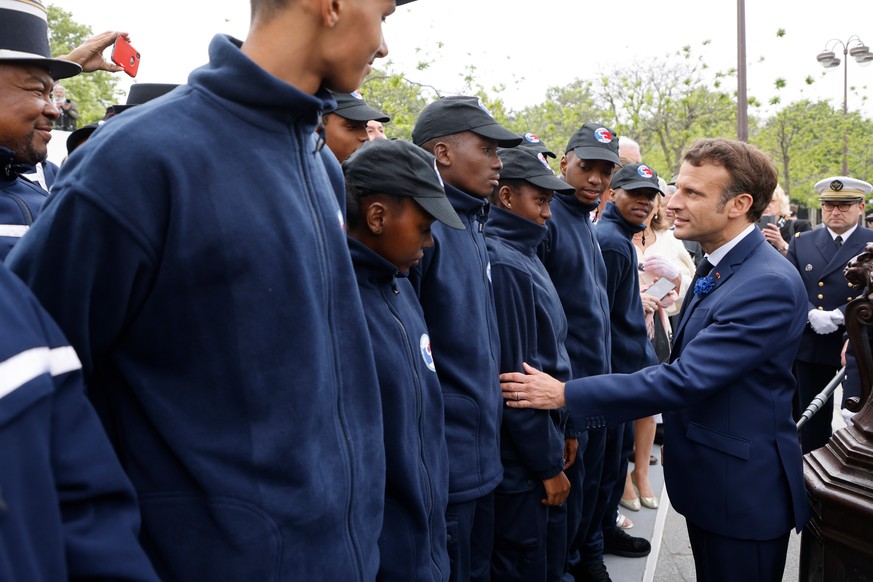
<point x="139" y="94"/>
<point x="24" y="38"/>
<point x="403" y="169"/>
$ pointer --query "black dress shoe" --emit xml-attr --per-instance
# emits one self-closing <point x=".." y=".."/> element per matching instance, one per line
<point x="617" y="542"/>
<point x="590" y="573"/>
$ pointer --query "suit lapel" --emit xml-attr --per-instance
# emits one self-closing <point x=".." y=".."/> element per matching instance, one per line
<point x="851" y="247"/>
<point x="721" y="273"/>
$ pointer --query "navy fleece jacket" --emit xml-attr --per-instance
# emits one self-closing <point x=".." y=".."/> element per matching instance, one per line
<point x="454" y="284"/>
<point x="631" y="348"/>
<point x="533" y="329"/>
<point x="67" y="512"/>
<point x="203" y="276"/>
<point x="572" y="257"/>
<point x="412" y="545"/>
<point x="20" y="203"/>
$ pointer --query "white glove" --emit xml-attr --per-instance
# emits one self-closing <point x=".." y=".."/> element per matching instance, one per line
<point x="660" y="266"/>
<point x="821" y="322"/>
<point x="837" y="316"/>
<point x="847" y="416"/>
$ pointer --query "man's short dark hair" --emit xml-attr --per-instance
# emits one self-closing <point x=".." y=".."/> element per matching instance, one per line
<point x="355" y="195"/>
<point x="451" y="139"/>
<point x="751" y="171"/>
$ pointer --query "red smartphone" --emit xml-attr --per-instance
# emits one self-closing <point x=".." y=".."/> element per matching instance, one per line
<point x="125" y="56"/>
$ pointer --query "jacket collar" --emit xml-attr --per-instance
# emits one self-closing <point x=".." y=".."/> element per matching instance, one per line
<point x="371" y="269"/>
<point x="613" y="216"/>
<point x="519" y="233"/>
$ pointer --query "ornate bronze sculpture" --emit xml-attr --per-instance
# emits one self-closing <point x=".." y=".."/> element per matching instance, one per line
<point x="838" y="542"/>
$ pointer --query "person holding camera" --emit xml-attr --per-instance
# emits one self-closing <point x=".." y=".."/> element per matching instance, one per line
<point x="69" y="118"/>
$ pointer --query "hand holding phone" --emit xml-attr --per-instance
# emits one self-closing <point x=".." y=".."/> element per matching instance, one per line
<point x="125" y="56"/>
<point x="660" y="288"/>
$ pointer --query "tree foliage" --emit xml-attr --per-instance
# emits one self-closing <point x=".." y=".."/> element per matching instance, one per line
<point x="92" y="92"/>
<point x="664" y="104"/>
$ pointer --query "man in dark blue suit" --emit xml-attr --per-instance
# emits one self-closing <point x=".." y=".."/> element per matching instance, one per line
<point x="733" y="461"/>
<point x="820" y="256"/>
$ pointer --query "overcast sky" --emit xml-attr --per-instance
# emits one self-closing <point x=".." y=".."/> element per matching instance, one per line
<point x="530" y="45"/>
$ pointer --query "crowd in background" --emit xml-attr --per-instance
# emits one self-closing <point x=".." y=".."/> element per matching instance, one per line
<point x="306" y="347"/>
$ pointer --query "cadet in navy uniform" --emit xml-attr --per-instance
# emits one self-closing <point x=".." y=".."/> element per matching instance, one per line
<point x="530" y="539"/>
<point x="820" y="256"/>
<point x="393" y="195"/>
<point x="454" y="282"/>
<point x="345" y="127"/>
<point x="734" y="470"/>
<point x="573" y="259"/>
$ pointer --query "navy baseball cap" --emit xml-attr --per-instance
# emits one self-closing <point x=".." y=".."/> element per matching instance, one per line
<point x="594" y="141"/>
<point x="457" y="114"/>
<point x="533" y="142"/>
<point x="525" y="164"/>
<point x="636" y="176"/>
<point x="352" y="106"/>
<point x="398" y="167"/>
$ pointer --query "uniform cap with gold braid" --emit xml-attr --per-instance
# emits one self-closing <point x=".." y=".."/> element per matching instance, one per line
<point x="24" y="38"/>
<point x="842" y="189"/>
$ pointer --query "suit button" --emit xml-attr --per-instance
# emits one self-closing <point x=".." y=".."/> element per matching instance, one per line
<point x="820" y="308"/>
<point x="851" y="285"/>
<point x="820" y="296"/>
<point x="821" y="283"/>
<point x="849" y="298"/>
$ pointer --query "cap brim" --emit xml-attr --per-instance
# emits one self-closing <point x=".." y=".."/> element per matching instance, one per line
<point x="639" y="185"/>
<point x="441" y="209"/>
<point x="596" y="153"/>
<point x="495" y="131"/>
<point x="551" y="183"/>
<point x="362" y="113"/>
<point x="57" y="68"/>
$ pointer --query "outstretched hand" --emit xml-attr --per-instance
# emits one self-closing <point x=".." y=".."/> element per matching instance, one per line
<point x="89" y="54"/>
<point x="533" y="389"/>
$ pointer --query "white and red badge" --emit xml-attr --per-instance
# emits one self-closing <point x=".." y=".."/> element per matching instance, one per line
<point x="543" y="160"/>
<point x="532" y="138"/>
<point x="485" y="109"/>
<point x="426" y="354"/>
<point x="357" y="95"/>
<point x="645" y="171"/>
<point x="603" y="135"/>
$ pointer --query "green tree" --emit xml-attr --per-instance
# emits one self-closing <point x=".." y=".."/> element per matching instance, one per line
<point x="665" y="104"/>
<point x="560" y="115"/>
<point x="805" y="140"/>
<point x="399" y="97"/>
<point x="92" y="92"/>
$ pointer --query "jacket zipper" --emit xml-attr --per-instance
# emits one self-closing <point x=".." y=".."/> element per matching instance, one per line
<point x="319" y="227"/>
<point x="410" y="353"/>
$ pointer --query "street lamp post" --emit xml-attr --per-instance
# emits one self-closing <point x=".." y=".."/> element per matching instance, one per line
<point x="855" y="48"/>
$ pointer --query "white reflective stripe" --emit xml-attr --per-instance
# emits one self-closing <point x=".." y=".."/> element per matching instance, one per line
<point x="64" y="360"/>
<point x="24" y="367"/>
<point x="16" y="230"/>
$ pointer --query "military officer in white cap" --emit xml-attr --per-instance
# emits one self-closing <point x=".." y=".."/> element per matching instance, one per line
<point x="820" y="256"/>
